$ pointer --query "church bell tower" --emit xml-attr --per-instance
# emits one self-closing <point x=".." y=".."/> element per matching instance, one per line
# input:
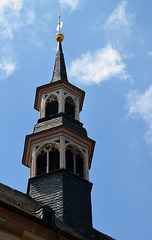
<point x="59" y="152"/>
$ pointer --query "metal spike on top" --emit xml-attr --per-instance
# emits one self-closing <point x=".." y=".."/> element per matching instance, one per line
<point x="59" y="72"/>
<point x="59" y="36"/>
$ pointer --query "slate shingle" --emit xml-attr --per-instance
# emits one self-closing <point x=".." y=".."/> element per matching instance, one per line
<point x="59" y="72"/>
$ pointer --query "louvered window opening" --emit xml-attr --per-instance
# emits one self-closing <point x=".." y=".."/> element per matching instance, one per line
<point x="47" y="162"/>
<point x="41" y="163"/>
<point x="51" y="108"/>
<point x="69" y="109"/>
<point x="74" y="163"/>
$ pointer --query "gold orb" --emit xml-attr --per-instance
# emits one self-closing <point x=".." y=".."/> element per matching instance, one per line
<point x="59" y="37"/>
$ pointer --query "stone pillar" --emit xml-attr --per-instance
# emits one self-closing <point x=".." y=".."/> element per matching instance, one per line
<point x="86" y="166"/>
<point x="62" y="152"/>
<point x="60" y="99"/>
<point x="42" y="111"/>
<point x="63" y="101"/>
<point x="33" y="164"/>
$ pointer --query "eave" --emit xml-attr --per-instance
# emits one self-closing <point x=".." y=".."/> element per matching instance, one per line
<point x="58" y="131"/>
<point x="55" y="86"/>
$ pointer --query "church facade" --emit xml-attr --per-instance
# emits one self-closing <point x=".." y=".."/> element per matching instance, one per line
<point x="57" y="205"/>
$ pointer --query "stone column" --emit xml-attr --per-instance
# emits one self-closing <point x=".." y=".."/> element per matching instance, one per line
<point x="86" y="166"/>
<point x="42" y="110"/>
<point x="62" y="152"/>
<point x="60" y="98"/>
<point x="33" y="164"/>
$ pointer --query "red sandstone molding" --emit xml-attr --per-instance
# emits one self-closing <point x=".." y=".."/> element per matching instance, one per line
<point x="48" y="134"/>
<point x="56" y="86"/>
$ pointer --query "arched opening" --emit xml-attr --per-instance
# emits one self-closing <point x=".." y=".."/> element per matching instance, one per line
<point x="74" y="161"/>
<point x="53" y="160"/>
<point x="70" y="107"/>
<point x="69" y="161"/>
<point x="51" y="105"/>
<point x="47" y="159"/>
<point x="79" y="166"/>
<point x="41" y="163"/>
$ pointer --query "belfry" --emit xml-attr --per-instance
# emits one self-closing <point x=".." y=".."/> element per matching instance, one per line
<point x="59" y="155"/>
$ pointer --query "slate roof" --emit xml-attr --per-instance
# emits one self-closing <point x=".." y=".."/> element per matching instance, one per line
<point x="15" y="199"/>
<point x="58" y="120"/>
<point x="59" y="72"/>
<point x="24" y="205"/>
<point x="100" y="236"/>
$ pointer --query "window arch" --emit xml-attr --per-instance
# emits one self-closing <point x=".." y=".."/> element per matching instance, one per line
<point x="70" y="107"/>
<point x="74" y="160"/>
<point x="47" y="159"/>
<point x="51" y="106"/>
<point x="41" y="163"/>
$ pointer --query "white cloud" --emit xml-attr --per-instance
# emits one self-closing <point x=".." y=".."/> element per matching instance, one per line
<point x="7" y="67"/>
<point x="73" y="4"/>
<point x="10" y="21"/>
<point x="30" y="17"/>
<point x="9" y="16"/>
<point x="16" y="5"/>
<point x="141" y="105"/>
<point x="12" y="18"/>
<point x="119" y="18"/>
<point x="100" y="66"/>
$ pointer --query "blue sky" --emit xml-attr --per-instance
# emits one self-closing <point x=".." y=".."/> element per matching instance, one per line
<point x="108" y="53"/>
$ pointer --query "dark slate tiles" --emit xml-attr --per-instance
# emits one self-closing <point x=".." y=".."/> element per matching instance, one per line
<point x="59" y="72"/>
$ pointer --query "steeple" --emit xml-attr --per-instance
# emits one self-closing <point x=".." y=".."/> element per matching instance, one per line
<point x="59" y="152"/>
<point x="59" y="72"/>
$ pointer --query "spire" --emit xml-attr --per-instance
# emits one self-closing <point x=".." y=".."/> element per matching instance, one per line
<point x="59" y="72"/>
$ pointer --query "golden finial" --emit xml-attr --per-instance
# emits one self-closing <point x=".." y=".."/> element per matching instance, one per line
<point x="59" y="36"/>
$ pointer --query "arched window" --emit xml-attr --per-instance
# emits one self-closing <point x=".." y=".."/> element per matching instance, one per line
<point x="51" y="105"/>
<point x="53" y="160"/>
<point x="74" y="161"/>
<point x="41" y="163"/>
<point x="47" y="159"/>
<point x="70" y="107"/>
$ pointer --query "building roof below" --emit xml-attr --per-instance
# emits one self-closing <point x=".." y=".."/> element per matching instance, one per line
<point x="25" y="206"/>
